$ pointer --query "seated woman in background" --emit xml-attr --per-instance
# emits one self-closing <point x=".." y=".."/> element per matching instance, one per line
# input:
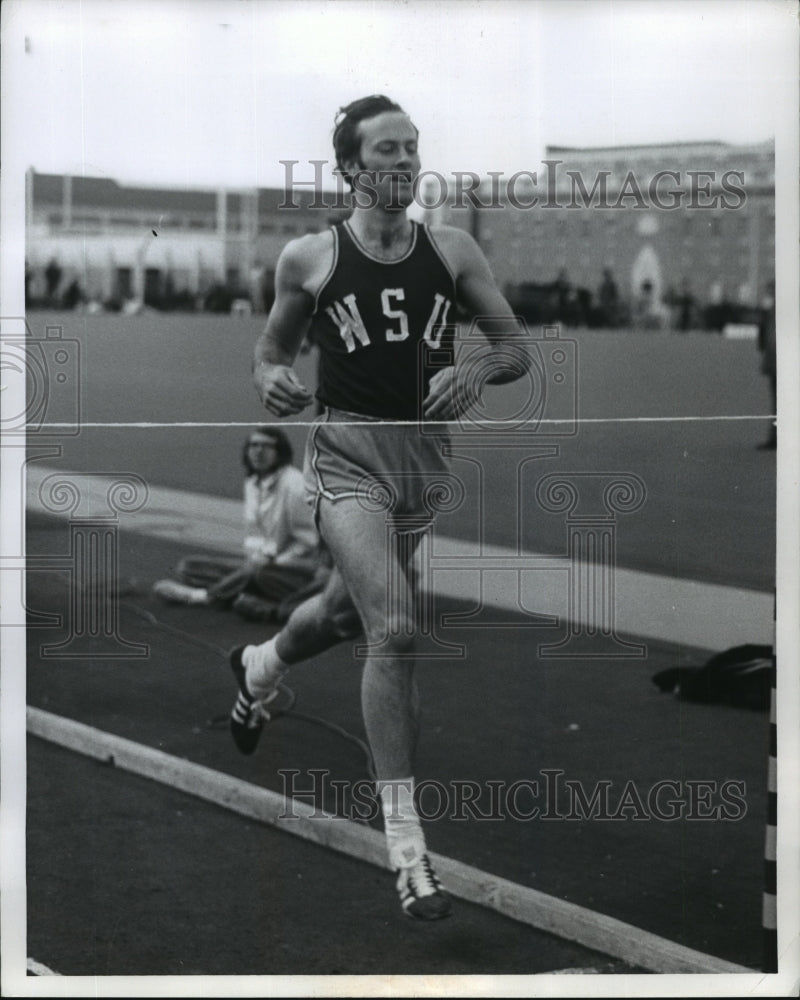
<point x="283" y="563"/>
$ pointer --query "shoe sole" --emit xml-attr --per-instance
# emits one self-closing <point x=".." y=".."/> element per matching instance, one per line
<point x="434" y="906"/>
<point x="444" y="909"/>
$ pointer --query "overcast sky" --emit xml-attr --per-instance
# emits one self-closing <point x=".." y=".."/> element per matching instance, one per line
<point x="219" y="91"/>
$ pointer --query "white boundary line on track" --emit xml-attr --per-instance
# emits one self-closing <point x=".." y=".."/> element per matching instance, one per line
<point x="529" y="906"/>
<point x="35" y="968"/>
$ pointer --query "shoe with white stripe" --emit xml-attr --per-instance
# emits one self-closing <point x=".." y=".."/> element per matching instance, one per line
<point x="249" y="714"/>
<point x="421" y="893"/>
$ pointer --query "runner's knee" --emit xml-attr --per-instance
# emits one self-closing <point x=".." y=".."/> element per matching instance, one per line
<point x="339" y="610"/>
<point x="394" y="642"/>
<point x="346" y="623"/>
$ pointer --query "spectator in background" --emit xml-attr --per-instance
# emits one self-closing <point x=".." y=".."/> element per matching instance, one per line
<point x="715" y="308"/>
<point x="608" y="298"/>
<point x="671" y="300"/>
<point x="645" y="305"/>
<point x="73" y="296"/>
<point x="571" y="304"/>
<point x="282" y="562"/>
<point x="254" y="289"/>
<point x="562" y="291"/>
<point x="267" y="288"/>
<point x="52" y="277"/>
<point x="685" y="305"/>
<point x="767" y="345"/>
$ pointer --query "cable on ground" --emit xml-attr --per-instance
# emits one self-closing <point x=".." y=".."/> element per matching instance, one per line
<point x="288" y="694"/>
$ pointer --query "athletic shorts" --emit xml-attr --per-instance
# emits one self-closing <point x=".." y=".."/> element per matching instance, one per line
<point x="394" y="467"/>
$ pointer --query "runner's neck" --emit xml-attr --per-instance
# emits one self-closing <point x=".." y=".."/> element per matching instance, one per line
<point x="383" y="235"/>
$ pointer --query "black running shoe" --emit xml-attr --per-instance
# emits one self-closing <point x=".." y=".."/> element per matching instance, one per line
<point x="249" y="713"/>
<point x="421" y="893"/>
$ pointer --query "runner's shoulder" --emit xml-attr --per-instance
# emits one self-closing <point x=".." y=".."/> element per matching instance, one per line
<point x="458" y="247"/>
<point x="306" y="260"/>
<point x="307" y="251"/>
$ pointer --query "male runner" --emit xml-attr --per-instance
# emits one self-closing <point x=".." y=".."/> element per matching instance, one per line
<point x="376" y="294"/>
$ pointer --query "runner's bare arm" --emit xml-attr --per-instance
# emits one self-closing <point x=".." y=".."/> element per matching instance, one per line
<point x="278" y="386"/>
<point x="453" y="390"/>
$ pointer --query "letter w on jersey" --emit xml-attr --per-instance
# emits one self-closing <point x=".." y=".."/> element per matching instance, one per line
<point x="348" y="319"/>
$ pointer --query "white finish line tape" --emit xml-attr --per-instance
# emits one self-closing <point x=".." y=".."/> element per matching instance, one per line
<point x="529" y="906"/>
<point x="493" y="424"/>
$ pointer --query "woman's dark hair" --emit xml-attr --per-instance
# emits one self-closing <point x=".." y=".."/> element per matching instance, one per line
<point x="283" y="448"/>
<point x="346" y="140"/>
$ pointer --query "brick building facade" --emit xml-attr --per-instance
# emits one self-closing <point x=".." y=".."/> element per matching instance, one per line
<point x="678" y="221"/>
<point x="692" y="219"/>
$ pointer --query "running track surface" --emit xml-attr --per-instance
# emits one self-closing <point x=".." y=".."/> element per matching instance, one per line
<point x="499" y="714"/>
<point x="708" y="517"/>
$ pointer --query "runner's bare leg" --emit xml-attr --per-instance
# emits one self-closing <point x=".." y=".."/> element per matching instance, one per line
<point x="322" y="621"/>
<point x="358" y="540"/>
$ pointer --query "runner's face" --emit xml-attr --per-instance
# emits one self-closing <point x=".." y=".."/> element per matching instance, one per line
<point x="262" y="453"/>
<point x="389" y="147"/>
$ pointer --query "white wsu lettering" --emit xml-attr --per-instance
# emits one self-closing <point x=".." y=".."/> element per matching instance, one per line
<point x="347" y="318"/>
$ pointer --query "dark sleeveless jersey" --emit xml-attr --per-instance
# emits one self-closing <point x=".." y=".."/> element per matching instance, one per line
<point x="381" y="327"/>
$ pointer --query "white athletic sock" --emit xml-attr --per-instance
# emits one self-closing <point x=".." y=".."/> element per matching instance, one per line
<point x="263" y="668"/>
<point x="404" y="837"/>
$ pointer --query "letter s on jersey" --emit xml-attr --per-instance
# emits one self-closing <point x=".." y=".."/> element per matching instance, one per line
<point x="386" y="296"/>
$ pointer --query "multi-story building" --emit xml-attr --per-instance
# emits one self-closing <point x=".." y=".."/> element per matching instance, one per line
<point x="674" y="219"/>
<point x="673" y="222"/>
<point x="122" y="242"/>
